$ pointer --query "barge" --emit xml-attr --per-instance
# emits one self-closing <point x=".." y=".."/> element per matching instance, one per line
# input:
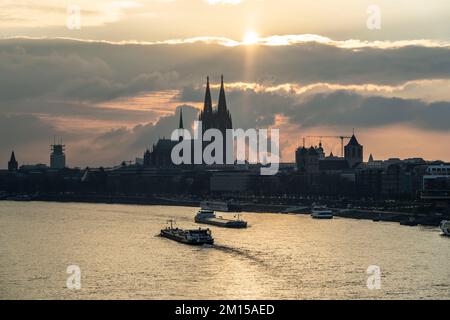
<point x="209" y="217"/>
<point x="193" y="237"/>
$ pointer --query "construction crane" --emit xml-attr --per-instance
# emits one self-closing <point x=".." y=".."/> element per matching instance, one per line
<point x="337" y="137"/>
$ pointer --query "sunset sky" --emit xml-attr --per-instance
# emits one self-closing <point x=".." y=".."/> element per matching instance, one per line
<point x="111" y="86"/>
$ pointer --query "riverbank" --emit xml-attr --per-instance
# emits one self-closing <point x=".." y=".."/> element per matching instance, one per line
<point x="408" y="219"/>
<point x="427" y="218"/>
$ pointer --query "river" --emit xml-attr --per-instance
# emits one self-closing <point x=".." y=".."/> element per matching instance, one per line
<point x="120" y="256"/>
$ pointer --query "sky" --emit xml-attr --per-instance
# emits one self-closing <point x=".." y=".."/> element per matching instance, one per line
<point x="110" y="77"/>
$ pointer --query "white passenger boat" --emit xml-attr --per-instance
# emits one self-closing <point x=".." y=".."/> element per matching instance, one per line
<point x="321" y="213"/>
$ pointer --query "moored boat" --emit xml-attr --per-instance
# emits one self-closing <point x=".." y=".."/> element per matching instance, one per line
<point x="209" y="217"/>
<point x="319" y="212"/>
<point x="445" y="227"/>
<point x="222" y="206"/>
<point x="193" y="237"/>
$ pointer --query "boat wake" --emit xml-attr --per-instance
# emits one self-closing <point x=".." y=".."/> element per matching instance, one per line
<point x="240" y="253"/>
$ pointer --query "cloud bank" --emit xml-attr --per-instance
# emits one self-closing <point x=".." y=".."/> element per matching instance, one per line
<point x="47" y="84"/>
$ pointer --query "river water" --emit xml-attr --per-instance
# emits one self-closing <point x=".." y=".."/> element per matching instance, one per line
<point x="277" y="257"/>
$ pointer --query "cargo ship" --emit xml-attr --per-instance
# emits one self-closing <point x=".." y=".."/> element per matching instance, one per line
<point x="193" y="237"/>
<point x="209" y="217"/>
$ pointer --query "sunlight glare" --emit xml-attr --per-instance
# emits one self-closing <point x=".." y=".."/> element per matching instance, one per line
<point x="250" y="38"/>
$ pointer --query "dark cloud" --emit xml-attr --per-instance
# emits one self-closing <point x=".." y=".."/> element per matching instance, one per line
<point x="101" y="71"/>
<point x="336" y="108"/>
<point x="146" y="135"/>
<point x="63" y="78"/>
<point x="120" y="144"/>
<point x="343" y="108"/>
<point x="24" y="129"/>
<point x="25" y="134"/>
<point x="248" y="108"/>
<point x="31" y="136"/>
<point x="75" y="109"/>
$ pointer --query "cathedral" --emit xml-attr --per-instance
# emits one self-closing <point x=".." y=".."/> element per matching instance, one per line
<point x="219" y="118"/>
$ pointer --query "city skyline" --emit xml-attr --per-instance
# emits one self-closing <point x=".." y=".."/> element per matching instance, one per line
<point x="114" y="86"/>
<point x="214" y="157"/>
<point x="331" y="144"/>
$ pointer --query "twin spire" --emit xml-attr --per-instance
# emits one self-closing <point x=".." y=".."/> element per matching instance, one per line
<point x="217" y="119"/>
<point x="208" y="107"/>
<point x="222" y="106"/>
<point x="208" y="102"/>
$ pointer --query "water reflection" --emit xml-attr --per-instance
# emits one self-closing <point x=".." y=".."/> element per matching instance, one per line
<point x="278" y="257"/>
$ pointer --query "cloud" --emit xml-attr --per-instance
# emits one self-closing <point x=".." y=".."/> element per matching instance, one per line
<point x="91" y="71"/>
<point x="272" y="41"/>
<point x="27" y="135"/>
<point x="90" y="93"/>
<point x="71" y="75"/>
<point x="52" y="13"/>
<point x="135" y="140"/>
<point x="215" y="2"/>
<point x="333" y="108"/>
<point x="346" y="109"/>
<point x="24" y="129"/>
<point x="30" y="137"/>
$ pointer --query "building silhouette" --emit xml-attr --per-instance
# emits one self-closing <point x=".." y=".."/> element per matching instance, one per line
<point x="57" y="156"/>
<point x="353" y="152"/>
<point x="220" y="119"/>
<point x="313" y="160"/>
<point x="307" y="160"/>
<point x="216" y="119"/>
<point x="12" y="163"/>
<point x="161" y="153"/>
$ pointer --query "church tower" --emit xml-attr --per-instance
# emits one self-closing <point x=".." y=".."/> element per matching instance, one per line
<point x="219" y="118"/>
<point x="353" y="152"/>
<point x="223" y="116"/>
<point x="222" y="106"/>
<point x="12" y="164"/>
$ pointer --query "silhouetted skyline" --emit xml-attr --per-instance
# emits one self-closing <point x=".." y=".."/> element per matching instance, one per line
<point x="112" y="86"/>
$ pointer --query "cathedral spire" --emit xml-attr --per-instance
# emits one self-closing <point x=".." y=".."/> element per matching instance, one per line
<point x="180" y="126"/>
<point x="207" y="108"/>
<point x="12" y="164"/>
<point x="222" y="107"/>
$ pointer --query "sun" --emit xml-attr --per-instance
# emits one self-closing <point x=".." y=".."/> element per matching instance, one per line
<point x="251" y="37"/>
